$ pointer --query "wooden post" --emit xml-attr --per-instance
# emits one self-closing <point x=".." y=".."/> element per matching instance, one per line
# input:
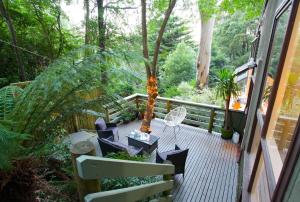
<point x="76" y="126"/>
<point x="211" y="120"/>
<point x="107" y="119"/>
<point x="137" y="100"/>
<point x="169" y="106"/>
<point x="84" y="186"/>
<point x="167" y="177"/>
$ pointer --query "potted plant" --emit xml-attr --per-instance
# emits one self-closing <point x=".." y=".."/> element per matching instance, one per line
<point x="225" y="88"/>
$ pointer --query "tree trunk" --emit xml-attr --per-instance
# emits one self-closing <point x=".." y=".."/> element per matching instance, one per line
<point x="9" y="23"/>
<point x="151" y="69"/>
<point x="152" y="94"/>
<point x="101" y="37"/>
<point x="101" y="25"/>
<point x="204" y="57"/>
<point x="87" y="20"/>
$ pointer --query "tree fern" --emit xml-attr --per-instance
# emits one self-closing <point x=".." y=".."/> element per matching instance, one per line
<point x="10" y="144"/>
<point x="55" y="96"/>
<point x="8" y="96"/>
<point x="52" y="97"/>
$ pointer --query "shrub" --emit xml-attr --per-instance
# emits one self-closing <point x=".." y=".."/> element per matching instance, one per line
<point x="123" y="182"/>
<point x="171" y="92"/>
<point x="128" y="114"/>
<point x="179" y="66"/>
<point x="185" y="89"/>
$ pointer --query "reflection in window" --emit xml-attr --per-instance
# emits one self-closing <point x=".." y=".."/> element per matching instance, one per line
<point x="279" y="35"/>
<point x="286" y="108"/>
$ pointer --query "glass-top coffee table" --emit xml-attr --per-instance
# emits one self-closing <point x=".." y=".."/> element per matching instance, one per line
<point x="148" y="142"/>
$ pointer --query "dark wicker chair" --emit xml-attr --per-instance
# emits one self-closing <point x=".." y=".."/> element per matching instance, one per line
<point x="106" y="130"/>
<point x="177" y="157"/>
<point x="109" y="146"/>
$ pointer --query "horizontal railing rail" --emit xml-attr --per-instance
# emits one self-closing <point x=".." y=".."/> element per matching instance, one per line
<point x="210" y="117"/>
<point x="94" y="168"/>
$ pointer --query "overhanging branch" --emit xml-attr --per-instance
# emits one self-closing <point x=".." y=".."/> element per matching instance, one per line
<point x="160" y="35"/>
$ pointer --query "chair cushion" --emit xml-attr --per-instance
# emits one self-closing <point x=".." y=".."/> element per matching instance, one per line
<point x="100" y="124"/>
<point x="165" y="154"/>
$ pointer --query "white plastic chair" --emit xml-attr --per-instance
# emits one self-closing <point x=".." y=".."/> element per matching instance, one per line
<point x="174" y="118"/>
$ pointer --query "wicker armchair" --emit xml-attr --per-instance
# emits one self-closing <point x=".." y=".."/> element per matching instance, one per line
<point x="106" y="130"/>
<point x="177" y="157"/>
<point x="110" y="146"/>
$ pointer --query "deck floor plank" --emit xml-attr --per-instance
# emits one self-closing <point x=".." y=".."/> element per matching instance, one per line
<point x="211" y="168"/>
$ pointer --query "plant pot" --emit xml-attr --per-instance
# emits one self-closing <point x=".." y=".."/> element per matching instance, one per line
<point x="226" y="134"/>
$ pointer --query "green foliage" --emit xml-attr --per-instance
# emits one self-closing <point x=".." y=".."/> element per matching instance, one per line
<point x="3" y="82"/>
<point x="171" y="92"/>
<point x="179" y="66"/>
<point x="123" y="182"/>
<point x="231" y="43"/>
<point x="252" y="8"/>
<point x="207" y="8"/>
<point x="10" y="145"/>
<point x="126" y="156"/>
<point x="39" y="29"/>
<point x="128" y="113"/>
<point x="226" y="86"/>
<point x="52" y="97"/>
<point x="188" y="92"/>
<point x="8" y="96"/>
<point x="176" y="31"/>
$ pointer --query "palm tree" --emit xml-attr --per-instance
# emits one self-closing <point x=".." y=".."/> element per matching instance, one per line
<point x="226" y="87"/>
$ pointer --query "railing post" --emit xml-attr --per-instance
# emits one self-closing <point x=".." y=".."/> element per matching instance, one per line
<point x="169" y="106"/>
<point x="211" y="120"/>
<point x="137" y="100"/>
<point x="107" y="119"/>
<point x="84" y="186"/>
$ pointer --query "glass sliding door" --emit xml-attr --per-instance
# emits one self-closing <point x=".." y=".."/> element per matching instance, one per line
<point x="278" y="114"/>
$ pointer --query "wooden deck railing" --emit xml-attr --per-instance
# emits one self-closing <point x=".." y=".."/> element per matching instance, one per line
<point x="94" y="168"/>
<point x="210" y="117"/>
<point x="205" y="116"/>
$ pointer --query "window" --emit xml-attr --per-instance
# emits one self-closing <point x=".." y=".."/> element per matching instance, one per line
<point x="286" y="107"/>
<point x="277" y="43"/>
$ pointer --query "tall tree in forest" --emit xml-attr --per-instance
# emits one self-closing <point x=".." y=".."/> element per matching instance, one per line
<point x="10" y="26"/>
<point x="151" y="66"/>
<point x="207" y="9"/>
<point x="87" y="22"/>
<point x="101" y="25"/>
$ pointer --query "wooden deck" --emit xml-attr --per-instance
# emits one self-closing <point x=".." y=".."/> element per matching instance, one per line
<point x="211" y="168"/>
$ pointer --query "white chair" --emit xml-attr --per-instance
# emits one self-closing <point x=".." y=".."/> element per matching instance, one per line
<point x="174" y="118"/>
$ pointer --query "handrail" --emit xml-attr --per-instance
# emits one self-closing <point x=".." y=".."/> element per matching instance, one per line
<point x="177" y="101"/>
<point x="131" y="193"/>
<point x="92" y="168"/>
<point x="111" y="168"/>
